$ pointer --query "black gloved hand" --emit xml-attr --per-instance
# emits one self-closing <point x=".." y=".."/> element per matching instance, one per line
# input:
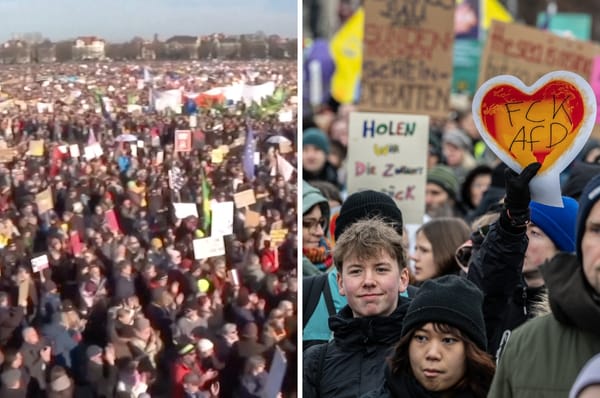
<point x="518" y="195"/>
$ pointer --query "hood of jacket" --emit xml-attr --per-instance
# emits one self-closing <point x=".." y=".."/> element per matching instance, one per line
<point x="312" y="196"/>
<point x="572" y="299"/>
<point x="368" y="331"/>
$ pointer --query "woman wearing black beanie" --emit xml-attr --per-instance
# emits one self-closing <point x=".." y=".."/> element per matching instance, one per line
<point x="442" y="349"/>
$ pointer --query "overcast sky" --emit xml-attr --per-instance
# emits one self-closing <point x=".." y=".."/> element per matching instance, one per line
<point x="120" y="20"/>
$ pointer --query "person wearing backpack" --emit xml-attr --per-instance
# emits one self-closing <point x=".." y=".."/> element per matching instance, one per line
<point x="321" y="298"/>
<point x="371" y="272"/>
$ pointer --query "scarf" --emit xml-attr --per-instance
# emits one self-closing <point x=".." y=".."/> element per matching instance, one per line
<point x="320" y="256"/>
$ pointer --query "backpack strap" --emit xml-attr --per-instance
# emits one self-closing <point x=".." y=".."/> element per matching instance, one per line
<point x="328" y="297"/>
<point x="312" y="286"/>
<point x="322" y="355"/>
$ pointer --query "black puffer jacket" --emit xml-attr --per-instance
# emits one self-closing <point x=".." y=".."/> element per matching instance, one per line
<point x="496" y="269"/>
<point x="353" y="363"/>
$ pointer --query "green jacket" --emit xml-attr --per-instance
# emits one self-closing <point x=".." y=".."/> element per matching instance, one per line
<point x="544" y="356"/>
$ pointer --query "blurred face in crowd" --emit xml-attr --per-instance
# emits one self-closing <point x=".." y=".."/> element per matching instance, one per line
<point x="480" y="184"/>
<point x="371" y="285"/>
<point x="437" y="359"/>
<point x="590" y="248"/>
<point x="313" y="159"/>
<point x="539" y="249"/>
<point x="435" y="197"/>
<point x="339" y="131"/>
<point x="31" y="336"/>
<point x="453" y="154"/>
<point x="425" y="267"/>
<point x="313" y="223"/>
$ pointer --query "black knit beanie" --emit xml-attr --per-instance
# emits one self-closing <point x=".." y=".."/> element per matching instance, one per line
<point x="368" y="204"/>
<point x="450" y="299"/>
<point x="587" y="200"/>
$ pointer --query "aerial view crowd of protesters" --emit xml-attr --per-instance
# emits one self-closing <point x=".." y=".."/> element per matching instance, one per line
<point x="493" y="295"/>
<point x="105" y="289"/>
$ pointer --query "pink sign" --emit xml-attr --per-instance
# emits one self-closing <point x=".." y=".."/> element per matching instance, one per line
<point x="595" y="82"/>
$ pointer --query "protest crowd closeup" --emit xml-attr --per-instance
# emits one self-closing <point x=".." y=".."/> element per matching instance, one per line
<point x="449" y="231"/>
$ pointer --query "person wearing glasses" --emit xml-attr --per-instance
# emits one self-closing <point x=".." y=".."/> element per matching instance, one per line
<point x="316" y="250"/>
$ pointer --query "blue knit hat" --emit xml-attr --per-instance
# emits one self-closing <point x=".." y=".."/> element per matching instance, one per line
<point x="587" y="200"/>
<point x="314" y="136"/>
<point x="557" y="222"/>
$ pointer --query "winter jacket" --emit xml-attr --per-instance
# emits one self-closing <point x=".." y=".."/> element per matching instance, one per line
<point x="100" y="380"/>
<point x="496" y="269"/>
<point x="352" y="364"/>
<point x="33" y="362"/>
<point x="543" y="357"/>
<point x="404" y="385"/>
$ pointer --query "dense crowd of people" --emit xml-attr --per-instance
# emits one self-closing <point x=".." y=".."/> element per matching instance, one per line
<point x="102" y="290"/>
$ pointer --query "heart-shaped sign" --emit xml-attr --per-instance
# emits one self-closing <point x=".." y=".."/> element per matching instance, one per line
<point x="548" y="122"/>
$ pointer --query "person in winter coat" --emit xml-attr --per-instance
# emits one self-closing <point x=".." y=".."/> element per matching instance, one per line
<point x="10" y="318"/>
<point x="254" y="379"/>
<point x="506" y="267"/>
<point x="316" y="250"/>
<point x="36" y="356"/>
<point x="543" y="356"/>
<point x="371" y="265"/>
<point x="359" y="205"/>
<point x="442" y="348"/>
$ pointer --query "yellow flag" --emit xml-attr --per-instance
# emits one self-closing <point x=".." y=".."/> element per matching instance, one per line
<point x="346" y="49"/>
<point x="494" y="10"/>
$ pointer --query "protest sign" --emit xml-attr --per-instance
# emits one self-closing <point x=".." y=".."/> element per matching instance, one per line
<point x="548" y="122"/>
<point x="183" y="140"/>
<point x="252" y="219"/>
<point x="529" y="53"/>
<point x="276" y="374"/>
<point x="74" y="150"/>
<point x="407" y="57"/>
<point x="44" y="201"/>
<point x="244" y="198"/>
<point x="183" y="210"/>
<point x="216" y="156"/>
<point x="36" y="148"/>
<point x="222" y="219"/>
<point x="285" y="147"/>
<point x="7" y="154"/>
<point x="23" y="292"/>
<point x="160" y="157"/>
<point x="212" y="246"/>
<point x="39" y="263"/>
<point x="388" y="153"/>
<point x="278" y="236"/>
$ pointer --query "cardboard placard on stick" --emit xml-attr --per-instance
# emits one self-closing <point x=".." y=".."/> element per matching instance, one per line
<point x="7" y="155"/>
<point x="407" y="59"/>
<point x="44" y="201"/>
<point x="23" y="292"/>
<point x="183" y="140"/>
<point x="244" y="198"/>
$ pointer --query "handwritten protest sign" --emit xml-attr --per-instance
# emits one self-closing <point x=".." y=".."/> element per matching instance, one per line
<point x="216" y="156"/>
<point x="183" y="140"/>
<point x="407" y="57"/>
<point x="222" y="219"/>
<point x="244" y="198"/>
<point x="548" y="122"/>
<point x="39" y="263"/>
<point x="44" y="201"/>
<point x="183" y="210"/>
<point x="74" y="150"/>
<point x="388" y="153"/>
<point x="278" y="236"/>
<point x="212" y="246"/>
<point x="529" y="53"/>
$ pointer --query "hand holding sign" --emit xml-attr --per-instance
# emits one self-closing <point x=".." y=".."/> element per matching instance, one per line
<point x="548" y="123"/>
